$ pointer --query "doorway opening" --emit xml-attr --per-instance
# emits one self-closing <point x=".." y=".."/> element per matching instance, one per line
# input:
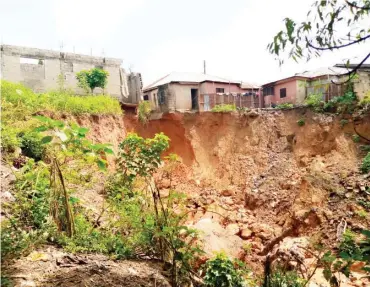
<point x="194" y="99"/>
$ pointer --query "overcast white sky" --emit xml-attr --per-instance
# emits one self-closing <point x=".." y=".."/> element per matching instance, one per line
<point x="155" y="37"/>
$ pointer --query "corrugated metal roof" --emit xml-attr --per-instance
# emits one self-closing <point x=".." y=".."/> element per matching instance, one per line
<point x="190" y="78"/>
<point x="331" y="71"/>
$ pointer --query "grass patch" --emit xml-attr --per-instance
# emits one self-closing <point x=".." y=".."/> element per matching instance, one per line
<point x="223" y="108"/>
<point x="23" y="97"/>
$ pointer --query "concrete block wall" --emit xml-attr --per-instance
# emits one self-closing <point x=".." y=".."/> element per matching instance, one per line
<point x="43" y="76"/>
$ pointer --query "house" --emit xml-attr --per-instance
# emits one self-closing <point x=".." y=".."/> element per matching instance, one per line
<point x="295" y="89"/>
<point x="180" y="91"/>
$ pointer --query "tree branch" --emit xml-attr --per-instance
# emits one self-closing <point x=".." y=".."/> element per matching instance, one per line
<point x="358" y="7"/>
<point x="352" y="72"/>
<point x="336" y="47"/>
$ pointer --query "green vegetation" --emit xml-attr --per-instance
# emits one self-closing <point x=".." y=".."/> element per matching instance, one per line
<point x="22" y="99"/>
<point x="315" y="101"/>
<point x="356" y="138"/>
<point x="284" y="106"/>
<point x="221" y="271"/>
<point x="365" y="102"/>
<point x="343" y="122"/>
<point x="365" y="166"/>
<point x="223" y="108"/>
<point x="301" y="122"/>
<point x="342" y="104"/>
<point x="281" y="278"/>
<point x="94" y="78"/>
<point x="143" y="112"/>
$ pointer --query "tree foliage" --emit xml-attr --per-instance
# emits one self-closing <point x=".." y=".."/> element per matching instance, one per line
<point x="94" y="78"/>
<point x="330" y="25"/>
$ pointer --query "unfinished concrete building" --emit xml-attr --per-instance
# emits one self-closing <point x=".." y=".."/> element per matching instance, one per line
<point x="40" y="70"/>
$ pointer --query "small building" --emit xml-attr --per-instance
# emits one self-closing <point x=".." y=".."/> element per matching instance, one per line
<point x="321" y="81"/>
<point x="200" y="92"/>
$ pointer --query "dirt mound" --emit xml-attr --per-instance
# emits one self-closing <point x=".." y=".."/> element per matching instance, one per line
<point x="52" y="267"/>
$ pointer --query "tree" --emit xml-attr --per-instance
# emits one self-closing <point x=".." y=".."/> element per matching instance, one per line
<point x="93" y="78"/>
<point x="331" y="25"/>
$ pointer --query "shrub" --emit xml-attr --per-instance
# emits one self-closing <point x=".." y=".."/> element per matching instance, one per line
<point x="356" y="138"/>
<point x="223" y="108"/>
<point x="284" y="106"/>
<point x="221" y="271"/>
<point x="365" y="167"/>
<point x="301" y="122"/>
<point x="144" y="110"/>
<point x="315" y="101"/>
<point x="348" y="244"/>
<point x="94" y="78"/>
<point x="342" y="104"/>
<point x="281" y="278"/>
<point x="31" y="145"/>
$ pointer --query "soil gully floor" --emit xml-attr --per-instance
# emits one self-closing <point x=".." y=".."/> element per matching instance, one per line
<point x="259" y="171"/>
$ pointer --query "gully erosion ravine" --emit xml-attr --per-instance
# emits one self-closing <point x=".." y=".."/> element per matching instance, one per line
<point x="257" y="171"/>
<point x="251" y="178"/>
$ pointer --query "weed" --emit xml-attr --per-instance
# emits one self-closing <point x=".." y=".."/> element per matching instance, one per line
<point x="301" y="122"/>
<point x="223" y="272"/>
<point x="27" y="102"/>
<point x="143" y="112"/>
<point x="365" y="166"/>
<point x="281" y="278"/>
<point x="365" y="148"/>
<point x="315" y="101"/>
<point x="343" y="122"/>
<point x="284" y="106"/>
<point x="356" y="138"/>
<point x="223" y="108"/>
<point x="348" y="244"/>
<point x="362" y="213"/>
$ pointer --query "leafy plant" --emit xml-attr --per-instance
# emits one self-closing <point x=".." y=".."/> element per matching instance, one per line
<point x="65" y="141"/>
<point x="144" y="110"/>
<point x="301" y="122"/>
<point x="280" y="278"/>
<point x="223" y="272"/>
<point x="365" y="166"/>
<point x="223" y="108"/>
<point x="284" y="106"/>
<point x="152" y="221"/>
<point x="31" y="145"/>
<point x="315" y="101"/>
<point x="343" y="122"/>
<point x="362" y="213"/>
<point x="93" y="78"/>
<point x="356" y="138"/>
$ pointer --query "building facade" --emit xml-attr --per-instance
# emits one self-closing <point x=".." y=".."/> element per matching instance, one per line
<point x="323" y="81"/>
<point x="198" y="92"/>
<point x="41" y="70"/>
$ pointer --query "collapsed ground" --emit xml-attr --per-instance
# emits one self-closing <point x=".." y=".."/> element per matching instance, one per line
<point x="248" y="177"/>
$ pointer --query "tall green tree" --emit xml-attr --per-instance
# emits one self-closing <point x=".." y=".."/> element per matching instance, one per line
<point x="330" y="25"/>
<point x="93" y="78"/>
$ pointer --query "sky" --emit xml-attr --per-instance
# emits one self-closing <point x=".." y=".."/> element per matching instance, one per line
<point x="156" y="37"/>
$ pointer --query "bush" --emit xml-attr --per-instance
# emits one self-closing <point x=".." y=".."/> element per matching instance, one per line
<point x="315" y="101"/>
<point x="222" y="272"/>
<point x="356" y="138"/>
<point x="365" y="167"/>
<point x="301" y="122"/>
<point x="31" y="145"/>
<point x="223" y="108"/>
<point x="342" y="104"/>
<point x="284" y="106"/>
<point x="281" y="278"/>
<point x="366" y="100"/>
<point x="23" y="98"/>
<point x="144" y="111"/>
